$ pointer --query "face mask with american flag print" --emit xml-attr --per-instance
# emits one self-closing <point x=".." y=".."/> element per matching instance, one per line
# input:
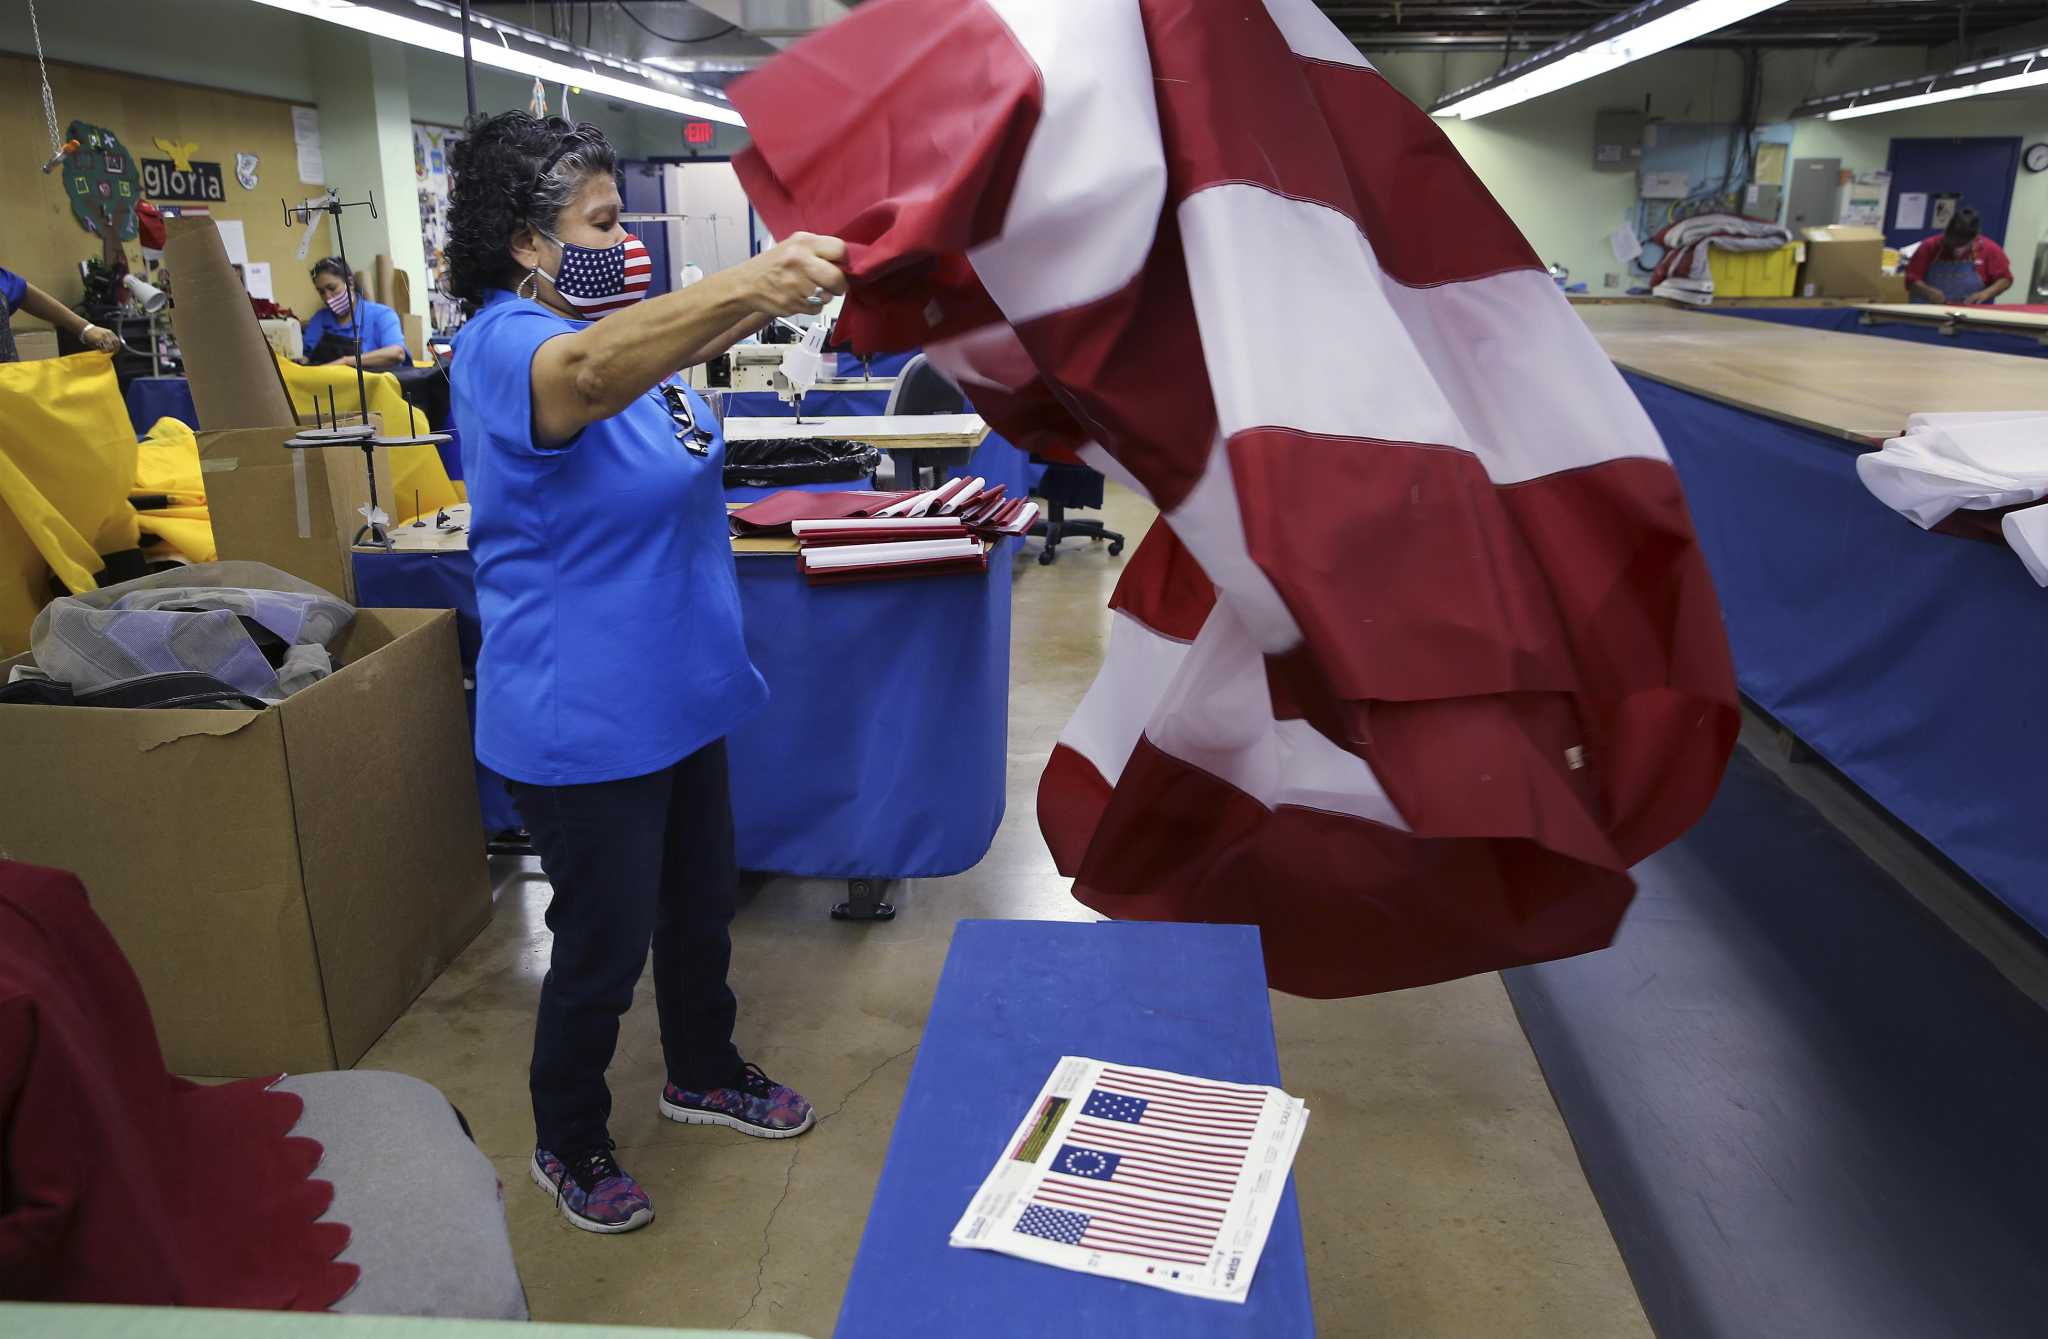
<point x="598" y="282"/>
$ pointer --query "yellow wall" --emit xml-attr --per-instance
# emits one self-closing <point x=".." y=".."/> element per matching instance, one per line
<point x="39" y="238"/>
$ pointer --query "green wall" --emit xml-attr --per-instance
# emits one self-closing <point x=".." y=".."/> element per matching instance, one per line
<point x="1537" y="158"/>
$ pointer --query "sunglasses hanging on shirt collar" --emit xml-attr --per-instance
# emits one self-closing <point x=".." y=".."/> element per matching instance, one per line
<point x="696" y="438"/>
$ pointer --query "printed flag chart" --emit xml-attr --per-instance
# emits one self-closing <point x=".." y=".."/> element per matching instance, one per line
<point x="1138" y="1174"/>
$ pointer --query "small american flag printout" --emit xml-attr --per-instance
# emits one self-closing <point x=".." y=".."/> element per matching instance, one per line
<point x="1170" y="1180"/>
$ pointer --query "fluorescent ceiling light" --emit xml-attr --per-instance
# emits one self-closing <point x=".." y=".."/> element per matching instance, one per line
<point x="2001" y="74"/>
<point x="1642" y="31"/>
<point x="491" y="49"/>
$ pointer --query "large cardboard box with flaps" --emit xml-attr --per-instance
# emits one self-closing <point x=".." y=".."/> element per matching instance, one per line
<point x="296" y="509"/>
<point x="285" y="882"/>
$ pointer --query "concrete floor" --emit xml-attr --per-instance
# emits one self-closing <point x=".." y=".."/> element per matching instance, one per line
<point x="1440" y="1192"/>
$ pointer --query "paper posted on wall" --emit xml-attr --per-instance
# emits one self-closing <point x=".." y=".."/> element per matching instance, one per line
<point x="1140" y="1174"/>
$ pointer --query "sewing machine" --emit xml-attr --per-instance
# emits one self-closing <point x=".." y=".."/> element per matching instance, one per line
<point x="754" y="367"/>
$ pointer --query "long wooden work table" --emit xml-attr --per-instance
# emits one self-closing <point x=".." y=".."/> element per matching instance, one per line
<point x="1846" y="386"/>
<point x="1949" y="320"/>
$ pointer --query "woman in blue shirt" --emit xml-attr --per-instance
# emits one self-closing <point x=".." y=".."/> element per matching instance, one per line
<point x="612" y="665"/>
<point x="347" y="314"/>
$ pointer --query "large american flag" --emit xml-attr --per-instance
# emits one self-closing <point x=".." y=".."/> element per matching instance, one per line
<point x="627" y="268"/>
<point x="1424" y="655"/>
<point x="1148" y="1167"/>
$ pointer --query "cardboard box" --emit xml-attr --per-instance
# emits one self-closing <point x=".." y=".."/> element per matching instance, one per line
<point x="235" y="381"/>
<point x="1842" y="261"/>
<point x="285" y="882"/>
<point x="293" y="509"/>
<point x="33" y="343"/>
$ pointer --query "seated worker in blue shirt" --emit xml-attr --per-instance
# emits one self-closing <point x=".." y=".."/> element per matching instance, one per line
<point x="19" y="295"/>
<point x="349" y="313"/>
<point x="613" y="662"/>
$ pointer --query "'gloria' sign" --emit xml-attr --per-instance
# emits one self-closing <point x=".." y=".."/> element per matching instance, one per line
<point x="162" y="180"/>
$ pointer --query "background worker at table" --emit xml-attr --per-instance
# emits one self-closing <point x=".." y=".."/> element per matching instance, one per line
<point x="19" y="295"/>
<point x="1956" y="265"/>
<point x="613" y="662"/>
<point x="347" y="314"/>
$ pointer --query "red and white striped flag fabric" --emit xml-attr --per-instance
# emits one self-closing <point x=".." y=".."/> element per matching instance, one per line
<point x="1424" y="655"/>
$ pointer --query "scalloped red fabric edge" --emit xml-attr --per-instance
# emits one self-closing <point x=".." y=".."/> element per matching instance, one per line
<point x="119" y="1181"/>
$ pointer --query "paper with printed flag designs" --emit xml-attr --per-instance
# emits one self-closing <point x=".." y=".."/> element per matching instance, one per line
<point x="1165" y="1179"/>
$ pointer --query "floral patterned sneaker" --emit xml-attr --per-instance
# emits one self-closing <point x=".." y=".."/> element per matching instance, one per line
<point x="592" y="1192"/>
<point x="755" y="1105"/>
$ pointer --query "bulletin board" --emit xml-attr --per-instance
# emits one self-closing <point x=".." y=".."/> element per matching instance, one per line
<point x="40" y="240"/>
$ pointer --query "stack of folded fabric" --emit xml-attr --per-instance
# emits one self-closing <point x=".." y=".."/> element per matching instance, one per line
<point x="834" y="552"/>
<point x="848" y="537"/>
<point x="1980" y="475"/>
<point x="984" y="510"/>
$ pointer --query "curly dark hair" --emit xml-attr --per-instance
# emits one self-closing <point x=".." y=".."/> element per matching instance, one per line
<point x="332" y="265"/>
<point x="512" y="169"/>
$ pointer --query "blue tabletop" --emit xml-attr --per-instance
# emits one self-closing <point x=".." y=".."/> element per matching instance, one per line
<point x="1015" y="997"/>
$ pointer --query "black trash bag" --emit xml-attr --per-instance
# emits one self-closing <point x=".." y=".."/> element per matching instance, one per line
<point x="797" y="460"/>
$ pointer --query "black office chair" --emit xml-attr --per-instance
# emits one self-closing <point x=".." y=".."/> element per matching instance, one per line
<point x="923" y="389"/>
<point x="1067" y="486"/>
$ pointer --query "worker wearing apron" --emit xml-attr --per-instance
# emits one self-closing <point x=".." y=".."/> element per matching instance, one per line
<point x="1958" y="266"/>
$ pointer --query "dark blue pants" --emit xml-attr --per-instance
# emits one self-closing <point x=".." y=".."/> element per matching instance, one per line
<point x="645" y="861"/>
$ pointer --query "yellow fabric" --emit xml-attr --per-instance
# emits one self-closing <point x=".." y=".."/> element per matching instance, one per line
<point x="67" y="458"/>
<point x="419" y="482"/>
<point x="167" y="462"/>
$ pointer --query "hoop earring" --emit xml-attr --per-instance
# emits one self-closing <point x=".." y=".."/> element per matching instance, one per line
<point x="524" y="284"/>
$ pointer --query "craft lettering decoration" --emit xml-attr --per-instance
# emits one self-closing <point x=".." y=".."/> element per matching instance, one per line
<point x="163" y="180"/>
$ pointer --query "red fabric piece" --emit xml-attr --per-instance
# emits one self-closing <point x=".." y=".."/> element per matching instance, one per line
<point x="149" y="226"/>
<point x="1342" y="906"/>
<point x="120" y="1183"/>
<point x="1494" y="674"/>
<point x="1164" y="588"/>
<point x="775" y="513"/>
<point x="909" y="213"/>
<point x="880" y="535"/>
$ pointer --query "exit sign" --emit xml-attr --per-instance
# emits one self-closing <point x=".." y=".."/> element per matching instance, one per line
<point x="698" y="132"/>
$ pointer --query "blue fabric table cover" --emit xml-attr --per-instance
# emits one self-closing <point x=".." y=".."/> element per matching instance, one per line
<point x="152" y="398"/>
<point x="884" y="746"/>
<point x="818" y="404"/>
<point x="1910" y="661"/>
<point x="1014" y="997"/>
<point x="1849" y="321"/>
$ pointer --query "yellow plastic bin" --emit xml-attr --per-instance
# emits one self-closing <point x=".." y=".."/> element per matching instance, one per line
<point x="1754" y="274"/>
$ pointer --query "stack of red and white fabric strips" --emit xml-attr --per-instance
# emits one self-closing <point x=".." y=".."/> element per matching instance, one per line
<point x="1423" y="655"/>
<point x="847" y="537"/>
